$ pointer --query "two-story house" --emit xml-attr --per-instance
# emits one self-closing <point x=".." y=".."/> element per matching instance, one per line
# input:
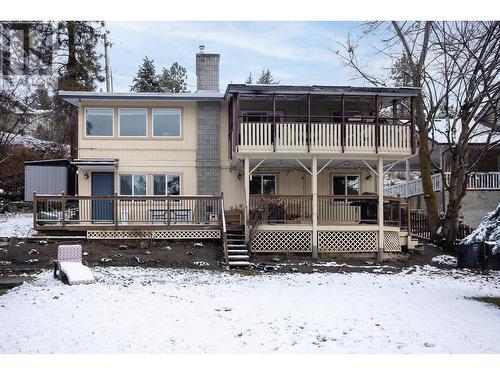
<point x="290" y="168"/>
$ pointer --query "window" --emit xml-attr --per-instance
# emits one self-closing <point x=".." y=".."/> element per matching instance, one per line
<point x="346" y="185"/>
<point x="166" y="122"/>
<point x="133" y="184"/>
<point x="166" y="184"/>
<point x="99" y="122"/>
<point x="133" y="122"/>
<point x="263" y="184"/>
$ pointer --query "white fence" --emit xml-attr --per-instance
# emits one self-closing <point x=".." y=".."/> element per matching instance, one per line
<point x="477" y="181"/>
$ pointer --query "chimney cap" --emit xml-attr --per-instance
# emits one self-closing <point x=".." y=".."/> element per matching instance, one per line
<point x="202" y="48"/>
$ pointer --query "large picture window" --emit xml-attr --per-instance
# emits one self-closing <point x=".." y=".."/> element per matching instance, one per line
<point x="133" y="122"/>
<point x="164" y="184"/>
<point x="346" y="185"/>
<point x="263" y="184"/>
<point x="99" y="122"/>
<point x="166" y="122"/>
<point x="133" y="184"/>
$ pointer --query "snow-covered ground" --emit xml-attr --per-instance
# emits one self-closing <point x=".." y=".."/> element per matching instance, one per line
<point x="16" y="225"/>
<point x="135" y="310"/>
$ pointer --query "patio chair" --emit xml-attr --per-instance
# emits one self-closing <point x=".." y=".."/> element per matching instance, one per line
<point x="69" y="268"/>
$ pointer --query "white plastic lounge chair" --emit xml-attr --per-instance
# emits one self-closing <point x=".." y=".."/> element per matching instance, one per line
<point x="69" y="268"/>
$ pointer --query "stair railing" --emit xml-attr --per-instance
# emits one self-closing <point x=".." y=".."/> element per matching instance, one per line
<point x="224" y="230"/>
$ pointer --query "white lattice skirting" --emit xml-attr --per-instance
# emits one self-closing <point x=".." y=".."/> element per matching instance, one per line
<point x="391" y="241"/>
<point x="356" y="241"/>
<point x="271" y="241"/>
<point x="157" y="235"/>
<point x="347" y="241"/>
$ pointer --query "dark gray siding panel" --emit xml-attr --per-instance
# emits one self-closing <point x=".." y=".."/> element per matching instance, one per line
<point x="44" y="180"/>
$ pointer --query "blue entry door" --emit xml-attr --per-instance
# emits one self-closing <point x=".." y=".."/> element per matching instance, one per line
<point x="103" y="184"/>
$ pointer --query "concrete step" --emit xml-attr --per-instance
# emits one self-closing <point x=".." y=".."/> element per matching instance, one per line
<point x="237" y="257"/>
<point x="236" y="246"/>
<point x="235" y="251"/>
<point x="239" y="264"/>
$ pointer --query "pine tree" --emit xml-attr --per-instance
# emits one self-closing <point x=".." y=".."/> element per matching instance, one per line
<point x="266" y="78"/>
<point x="146" y="79"/>
<point x="249" y="80"/>
<point x="173" y="79"/>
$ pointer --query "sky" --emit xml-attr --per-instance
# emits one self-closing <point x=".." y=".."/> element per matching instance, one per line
<point x="295" y="52"/>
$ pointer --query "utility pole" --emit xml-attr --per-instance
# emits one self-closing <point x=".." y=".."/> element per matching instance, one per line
<point x="106" y="64"/>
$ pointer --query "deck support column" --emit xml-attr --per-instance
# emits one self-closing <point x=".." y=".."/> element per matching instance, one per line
<point x="247" y="198"/>
<point x="380" y="213"/>
<point x="314" y="192"/>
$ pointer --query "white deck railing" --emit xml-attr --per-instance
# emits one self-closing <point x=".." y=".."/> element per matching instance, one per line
<point x="477" y="181"/>
<point x="324" y="137"/>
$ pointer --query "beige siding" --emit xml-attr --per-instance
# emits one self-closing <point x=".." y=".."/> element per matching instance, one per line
<point x="146" y="155"/>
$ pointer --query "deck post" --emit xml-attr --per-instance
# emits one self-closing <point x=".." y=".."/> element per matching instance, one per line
<point x="34" y="210"/>
<point x="273" y="127"/>
<point x="342" y="126"/>
<point x="63" y="210"/>
<point x="380" y="214"/>
<point x="407" y="175"/>
<point x="377" y="126"/>
<point x="115" y="203"/>
<point x="314" y="191"/>
<point x="247" y="197"/>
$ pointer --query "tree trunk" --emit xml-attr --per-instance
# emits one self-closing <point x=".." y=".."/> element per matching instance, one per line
<point x="456" y="192"/>
<point x="426" y="171"/>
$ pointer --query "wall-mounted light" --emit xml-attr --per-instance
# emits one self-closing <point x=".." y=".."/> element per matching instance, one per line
<point x="86" y="175"/>
<point x="239" y="175"/>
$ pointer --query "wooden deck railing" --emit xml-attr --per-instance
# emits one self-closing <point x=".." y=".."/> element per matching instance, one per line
<point x="357" y="209"/>
<point x="281" y="209"/>
<point x="327" y="137"/>
<point x="332" y="209"/>
<point x="117" y="211"/>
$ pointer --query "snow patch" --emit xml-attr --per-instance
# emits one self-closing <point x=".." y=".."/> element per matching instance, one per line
<point x="448" y="260"/>
<point x="201" y="311"/>
<point x="16" y="225"/>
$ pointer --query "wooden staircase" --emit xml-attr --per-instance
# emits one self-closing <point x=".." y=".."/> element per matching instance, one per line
<point x="237" y="251"/>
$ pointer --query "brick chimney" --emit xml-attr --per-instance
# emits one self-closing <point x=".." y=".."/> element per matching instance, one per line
<point x="207" y="71"/>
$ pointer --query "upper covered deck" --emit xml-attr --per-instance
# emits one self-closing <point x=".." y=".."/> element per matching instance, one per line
<point x="278" y="121"/>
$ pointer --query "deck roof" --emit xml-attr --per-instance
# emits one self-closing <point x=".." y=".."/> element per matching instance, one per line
<point x="251" y="89"/>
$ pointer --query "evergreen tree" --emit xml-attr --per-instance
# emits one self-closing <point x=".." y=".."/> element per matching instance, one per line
<point x="173" y="79"/>
<point x="249" y="80"/>
<point x="146" y="79"/>
<point x="266" y="78"/>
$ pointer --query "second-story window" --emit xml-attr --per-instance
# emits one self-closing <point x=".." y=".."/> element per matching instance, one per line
<point x="133" y="122"/>
<point x="166" y="122"/>
<point x="99" y="122"/>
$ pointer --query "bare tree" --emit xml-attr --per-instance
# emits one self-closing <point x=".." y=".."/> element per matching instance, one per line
<point x="468" y="73"/>
<point x="408" y="42"/>
<point x="456" y="64"/>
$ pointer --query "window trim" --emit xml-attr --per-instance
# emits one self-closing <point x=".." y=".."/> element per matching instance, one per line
<point x="132" y="184"/>
<point x="119" y="123"/>
<point x="166" y="174"/>
<point x="262" y="182"/>
<point x="153" y="123"/>
<point x="345" y="180"/>
<point x="112" y="123"/>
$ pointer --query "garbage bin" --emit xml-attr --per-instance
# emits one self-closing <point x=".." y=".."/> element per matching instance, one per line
<point x="469" y="255"/>
<point x="492" y="259"/>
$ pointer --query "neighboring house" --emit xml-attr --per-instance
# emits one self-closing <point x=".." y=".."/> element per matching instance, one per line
<point x="295" y="168"/>
<point x="483" y="191"/>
